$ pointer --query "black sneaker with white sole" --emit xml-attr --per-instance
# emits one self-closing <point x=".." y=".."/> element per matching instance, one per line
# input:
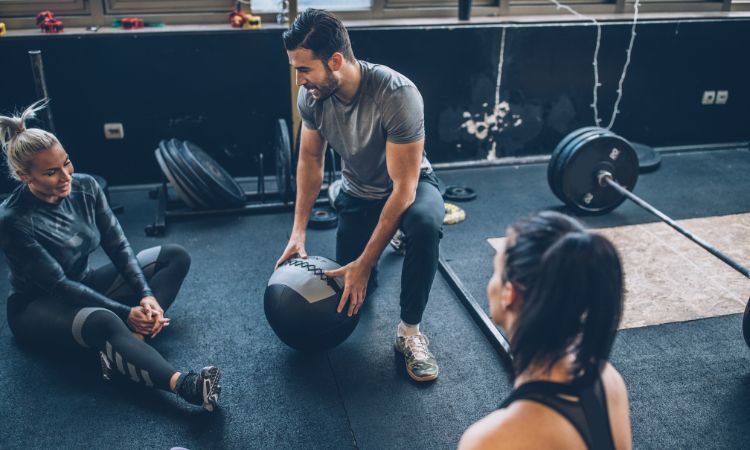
<point x="202" y="388"/>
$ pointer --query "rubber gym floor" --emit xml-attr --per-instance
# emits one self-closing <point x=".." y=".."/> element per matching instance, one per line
<point x="689" y="383"/>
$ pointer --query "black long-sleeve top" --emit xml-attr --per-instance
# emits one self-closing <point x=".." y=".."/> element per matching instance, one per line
<point x="47" y="245"/>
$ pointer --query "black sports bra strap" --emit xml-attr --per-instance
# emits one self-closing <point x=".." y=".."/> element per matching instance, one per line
<point x="535" y="389"/>
<point x="592" y="403"/>
<point x="549" y="394"/>
<point x="593" y="400"/>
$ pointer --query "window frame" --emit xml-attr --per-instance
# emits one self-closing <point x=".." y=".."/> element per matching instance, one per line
<point x="101" y="13"/>
<point x="116" y="7"/>
<point x="17" y="8"/>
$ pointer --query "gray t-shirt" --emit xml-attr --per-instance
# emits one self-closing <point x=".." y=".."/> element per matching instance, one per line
<point x="386" y="107"/>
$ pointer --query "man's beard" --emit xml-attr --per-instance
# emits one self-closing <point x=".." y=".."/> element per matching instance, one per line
<point x="328" y="88"/>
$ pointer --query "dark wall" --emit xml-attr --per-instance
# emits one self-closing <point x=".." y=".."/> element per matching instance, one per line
<point x="223" y="89"/>
<point x="548" y="82"/>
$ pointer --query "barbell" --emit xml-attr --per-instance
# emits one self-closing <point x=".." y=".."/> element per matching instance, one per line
<point x="593" y="171"/>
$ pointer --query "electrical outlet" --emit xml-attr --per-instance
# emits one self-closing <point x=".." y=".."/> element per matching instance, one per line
<point x="709" y="97"/>
<point x="722" y="97"/>
<point x="113" y="131"/>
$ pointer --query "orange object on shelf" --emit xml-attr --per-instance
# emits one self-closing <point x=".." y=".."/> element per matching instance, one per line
<point x="240" y="19"/>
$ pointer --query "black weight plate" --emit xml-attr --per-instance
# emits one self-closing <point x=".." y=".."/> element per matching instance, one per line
<point x="283" y="148"/>
<point x="552" y="166"/>
<point x="563" y="151"/>
<point x="459" y="193"/>
<point x="578" y="174"/>
<point x="224" y="186"/>
<point x="648" y="159"/>
<point x="103" y="185"/>
<point x="177" y="183"/>
<point x="567" y="150"/>
<point x="167" y="173"/>
<point x="322" y="218"/>
<point x="571" y="150"/>
<point x="200" y="186"/>
<point x="179" y="172"/>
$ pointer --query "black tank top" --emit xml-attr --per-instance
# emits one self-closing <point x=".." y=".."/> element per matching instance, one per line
<point x="584" y="406"/>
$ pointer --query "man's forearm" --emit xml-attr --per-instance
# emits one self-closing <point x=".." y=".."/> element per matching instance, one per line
<point x="309" y="181"/>
<point x="394" y="208"/>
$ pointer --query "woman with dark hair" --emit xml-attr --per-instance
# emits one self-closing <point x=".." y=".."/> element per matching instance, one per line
<point x="49" y="226"/>
<point x="557" y="290"/>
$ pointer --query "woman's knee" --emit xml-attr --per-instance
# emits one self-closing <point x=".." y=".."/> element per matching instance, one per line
<point x="175" y="254"/>
<point x="92" y="326"/>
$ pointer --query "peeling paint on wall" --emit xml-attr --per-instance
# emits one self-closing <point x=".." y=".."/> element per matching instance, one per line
<point x="487" y="125"/>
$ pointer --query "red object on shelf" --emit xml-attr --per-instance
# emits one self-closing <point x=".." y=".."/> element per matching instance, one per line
<point x="130" y="23"/>
<point x="52" y="26"/>
<point x="42" y="16"/>
<point x="46" y="22"/>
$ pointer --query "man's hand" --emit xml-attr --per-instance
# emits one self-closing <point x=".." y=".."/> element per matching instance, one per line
<point x="356" y="276"/>
<point x="295" y="247"/>
<point x="155" y="313"/>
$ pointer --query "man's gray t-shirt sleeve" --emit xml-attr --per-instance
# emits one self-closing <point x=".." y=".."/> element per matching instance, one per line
<point x="403" y="115"/>
<point x="306" y="113"/>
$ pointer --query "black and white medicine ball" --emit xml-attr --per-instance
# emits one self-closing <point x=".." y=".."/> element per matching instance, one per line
<point x="300" y="304"/>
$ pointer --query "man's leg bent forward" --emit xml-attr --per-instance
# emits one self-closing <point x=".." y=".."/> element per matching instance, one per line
<point x="422" y="227"/>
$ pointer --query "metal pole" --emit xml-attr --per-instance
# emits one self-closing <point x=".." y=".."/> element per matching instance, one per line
<point x="605" y="178"/>
<point x="497" y="340"/>
<point x="37" y="69"/>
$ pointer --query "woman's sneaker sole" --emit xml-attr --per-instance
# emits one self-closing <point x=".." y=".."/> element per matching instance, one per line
<point x="211" y="387"/>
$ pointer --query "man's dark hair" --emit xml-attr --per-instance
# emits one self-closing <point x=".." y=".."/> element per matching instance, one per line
<point x="570" y="282"/>
<point x="321" y="32"/>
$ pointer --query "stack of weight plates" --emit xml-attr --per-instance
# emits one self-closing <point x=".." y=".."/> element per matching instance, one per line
<point x="197" y="178"/>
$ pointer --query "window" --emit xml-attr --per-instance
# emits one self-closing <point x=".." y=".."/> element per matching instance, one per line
<point x="166" y="6"/>
<point x="435" y="3"/>
<point x="263" y="6"/>
<point x="20" y="14"/>
<point x="15" y="8"/>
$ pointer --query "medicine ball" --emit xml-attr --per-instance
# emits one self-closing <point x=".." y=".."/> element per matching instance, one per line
<point x="300" y="305"/>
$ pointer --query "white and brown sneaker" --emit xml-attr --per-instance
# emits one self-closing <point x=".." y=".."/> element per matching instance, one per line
<point x="421" y="365"/>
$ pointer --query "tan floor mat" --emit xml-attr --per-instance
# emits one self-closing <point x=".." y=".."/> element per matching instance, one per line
<point x="668" y="278"/>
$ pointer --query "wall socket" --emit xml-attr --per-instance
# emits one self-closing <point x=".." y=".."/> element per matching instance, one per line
<point x="709" y="97"/>
<point x="113" y="131"/>
<point x="715" y="97"/>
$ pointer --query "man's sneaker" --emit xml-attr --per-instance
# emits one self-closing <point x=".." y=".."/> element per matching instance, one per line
<point x="420" y="363"/>
<point x="201" y="388"/>
<point x="398" y="243"/>
<point x="108" y="370"/>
